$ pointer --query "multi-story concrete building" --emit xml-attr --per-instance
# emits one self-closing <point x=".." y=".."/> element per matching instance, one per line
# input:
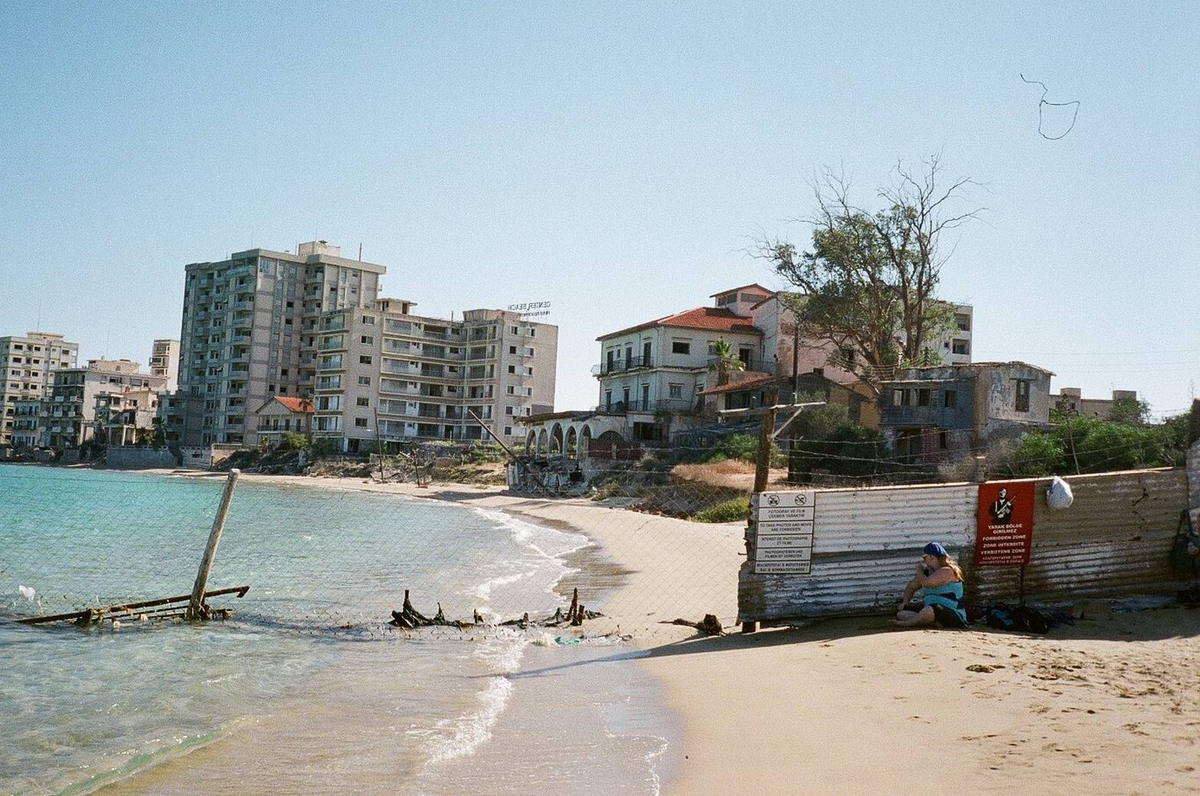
<point x="164" y="361"/>
<point x="126" y="417"/>
<point x="385" y="373"/>
<point x="68" y="417"/>
<point x="27" y="424"/>
<point x="942" y="413"/>
<point x="1070" y="400"/>
<point x="249" y="332"/>
<point x="27" y="365"/>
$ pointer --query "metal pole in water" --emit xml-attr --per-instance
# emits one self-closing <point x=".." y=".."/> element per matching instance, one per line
<point x="196" y="604"/>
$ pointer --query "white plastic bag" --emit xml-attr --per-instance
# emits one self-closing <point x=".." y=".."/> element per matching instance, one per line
<point x="1058" y="494"/>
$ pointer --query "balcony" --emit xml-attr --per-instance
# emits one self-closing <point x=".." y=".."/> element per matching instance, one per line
<point x="660" y="405"/>
<point x="622" y="365"/>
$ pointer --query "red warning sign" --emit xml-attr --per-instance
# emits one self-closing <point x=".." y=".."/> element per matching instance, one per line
<point x="1004" y="524"/>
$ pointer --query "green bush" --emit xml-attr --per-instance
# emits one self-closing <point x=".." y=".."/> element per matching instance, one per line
<point x="1089" y="445"/>
<point x="324" y="447"/>
<point x="1039" y="454"/>
<point x="291" y="441"/>
<point x="823" y="439"/>
<point x="729" y="511"/>
<point x="734" y="446"/>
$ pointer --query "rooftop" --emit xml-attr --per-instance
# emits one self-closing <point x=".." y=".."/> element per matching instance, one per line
<point x="714" y="319"/>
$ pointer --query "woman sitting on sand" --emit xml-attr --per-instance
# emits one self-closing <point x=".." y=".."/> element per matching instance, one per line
<point x="941" y="582"/>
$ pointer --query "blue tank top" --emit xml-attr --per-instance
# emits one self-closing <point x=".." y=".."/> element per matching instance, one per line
<point x="949" y="595"/>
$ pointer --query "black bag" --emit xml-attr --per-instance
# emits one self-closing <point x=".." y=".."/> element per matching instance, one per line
<point x="1185" y="552"/>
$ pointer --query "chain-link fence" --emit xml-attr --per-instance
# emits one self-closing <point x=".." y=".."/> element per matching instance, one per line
<point x="640" y="532"/>
<point x="324" y="554"/>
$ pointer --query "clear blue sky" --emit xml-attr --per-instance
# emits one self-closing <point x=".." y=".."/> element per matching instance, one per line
<point x="611" y="158"/>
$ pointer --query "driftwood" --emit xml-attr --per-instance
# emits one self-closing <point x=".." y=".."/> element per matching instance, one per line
<point x="162" y="608"/>
<point x="410" y="618"/>
<point x="710" y="625"/>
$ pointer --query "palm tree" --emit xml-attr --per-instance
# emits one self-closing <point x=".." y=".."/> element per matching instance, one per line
<point x="725" y="361"/>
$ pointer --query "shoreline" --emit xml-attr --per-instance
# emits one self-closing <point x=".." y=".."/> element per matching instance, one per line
<point x="591" y="568"/>
<point x="850" y="705"/>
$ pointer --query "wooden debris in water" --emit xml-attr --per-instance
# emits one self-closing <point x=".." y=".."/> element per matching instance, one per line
<point x="410" y="618"/>
<point x="162" y="608"/>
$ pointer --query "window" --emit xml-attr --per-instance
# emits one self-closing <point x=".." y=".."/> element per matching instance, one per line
<point x="963" y="322"/>
<point x="950" y="399"/>
<point x="367" y="339"/>
<point x="512" y="349"/>
<point x="906" y="397"/>
<point x="508" y="410"/>
<point x="283" y="371"/>
<point x="364" y="380"/>
<point x="368" y="320"/>
<point x="364" y="360"/>
<point x="360" y="422"/>
<point x="508" y="431"/>
<point x="1022" y="395"/>
<point x="511" y="390"/>
<point x="942" y="440"/>
<point x="514" y="329"/>
<point x="675" y="390"/>
<point x="923" y="396"/>
<point x="512" y="369"/>
<point x="962" y="347"/>
<point x="681" y="347"/>
<point x="364" y="401"/>
<point x="528" y="371"/>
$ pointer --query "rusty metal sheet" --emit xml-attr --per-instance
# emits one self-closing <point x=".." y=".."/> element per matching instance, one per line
<point x="1113" y="542"/>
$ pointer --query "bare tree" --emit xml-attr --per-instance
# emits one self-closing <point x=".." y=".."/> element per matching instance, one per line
<point x="868" y="284"/>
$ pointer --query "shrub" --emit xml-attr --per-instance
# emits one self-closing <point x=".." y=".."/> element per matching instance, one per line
<point x="1038" y="454"/>
<point x="729" y="511"/>
<point x="291" y="441"/>
<point x="324" y="447"/>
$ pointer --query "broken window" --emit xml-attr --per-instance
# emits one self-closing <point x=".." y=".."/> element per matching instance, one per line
<point x="1022" y="395"/>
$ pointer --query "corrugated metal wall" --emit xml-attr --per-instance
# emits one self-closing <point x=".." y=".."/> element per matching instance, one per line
<point x="1114" y="541"/>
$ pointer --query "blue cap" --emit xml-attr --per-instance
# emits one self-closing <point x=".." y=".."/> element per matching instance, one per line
<point x="935" y="549"/>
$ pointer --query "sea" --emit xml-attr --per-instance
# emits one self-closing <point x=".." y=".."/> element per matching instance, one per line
<point x="306" y="688"/>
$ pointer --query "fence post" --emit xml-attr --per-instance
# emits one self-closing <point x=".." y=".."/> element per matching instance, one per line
<point x="195" y="609"/>
<point x="762" y="467"/>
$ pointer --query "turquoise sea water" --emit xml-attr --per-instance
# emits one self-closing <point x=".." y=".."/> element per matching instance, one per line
<point x="307" y="667"/>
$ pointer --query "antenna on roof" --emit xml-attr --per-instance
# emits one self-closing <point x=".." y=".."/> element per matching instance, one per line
<point x="360" y="251"/>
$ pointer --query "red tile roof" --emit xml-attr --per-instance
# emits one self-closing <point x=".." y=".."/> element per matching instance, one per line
<point x="715" y="319"/>
<point x="297" y="405"/>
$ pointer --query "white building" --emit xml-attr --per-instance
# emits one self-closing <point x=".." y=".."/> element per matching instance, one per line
<point x="68" y="417"/>
<point x="27" y="367"/>
<point x="652" y="375"/>
<point x="249" y="333"/>
<point x="384" y="373"/>
<point x="164" y="361"/>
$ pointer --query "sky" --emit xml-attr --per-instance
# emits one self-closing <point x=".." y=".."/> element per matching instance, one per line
<point x="614" y="159"/>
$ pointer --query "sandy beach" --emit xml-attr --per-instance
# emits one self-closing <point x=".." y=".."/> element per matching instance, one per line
<point x="850" y="705"/>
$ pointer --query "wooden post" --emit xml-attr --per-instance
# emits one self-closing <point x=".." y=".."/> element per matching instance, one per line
<point x="762" y="468"/>
<point x="195" y="609"/>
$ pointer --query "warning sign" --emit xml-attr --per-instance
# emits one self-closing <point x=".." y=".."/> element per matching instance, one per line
<point x="1004" y="524"/>
<point x="784" y="523"/>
